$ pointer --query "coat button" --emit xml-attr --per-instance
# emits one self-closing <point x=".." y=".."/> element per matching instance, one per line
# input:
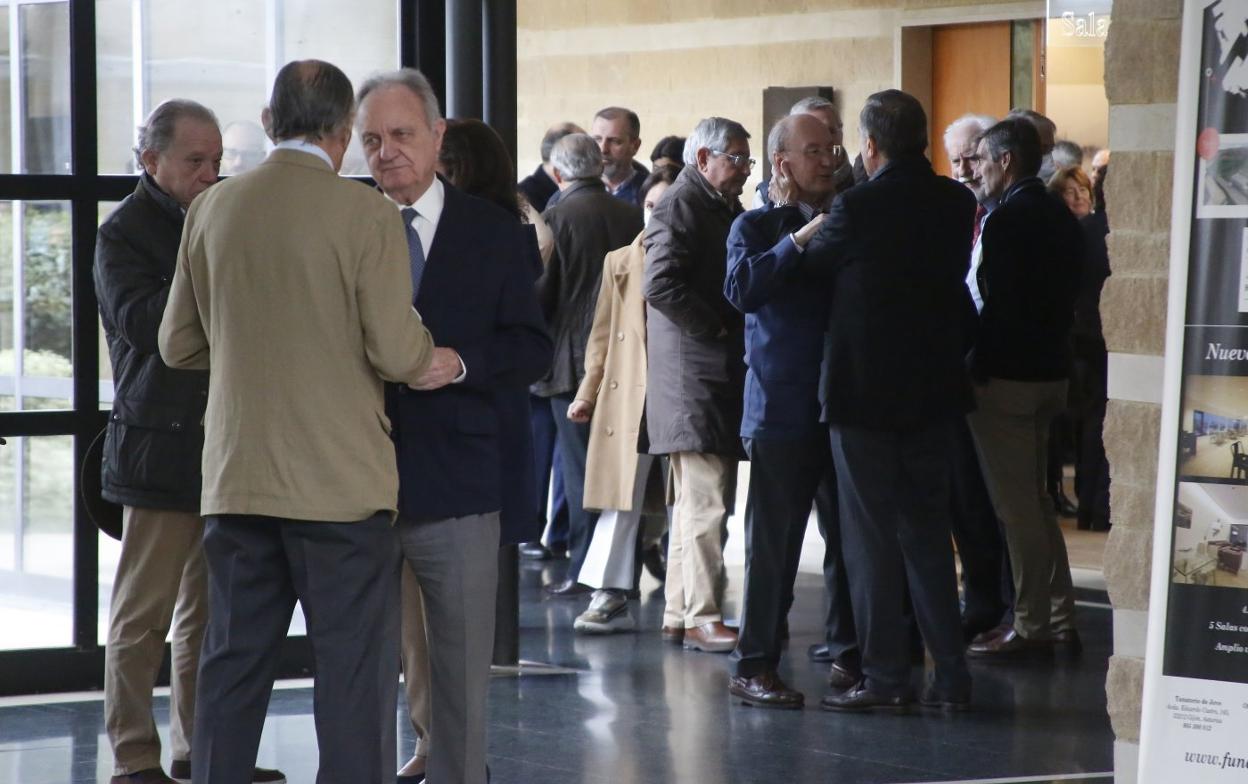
<point x="615" y="385"/>
<point x="619" y="336"/>
<point x="177" y="426"/>
<point x="610" y="431"/>
<point x="116" y="417"/>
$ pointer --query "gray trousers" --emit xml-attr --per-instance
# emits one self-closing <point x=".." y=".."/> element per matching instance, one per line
<point x="346" y="576"/>
<point x="455" y="563"/>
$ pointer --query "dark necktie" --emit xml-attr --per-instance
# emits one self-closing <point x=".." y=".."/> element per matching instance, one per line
<point x="980" y="212"/>
<point x="415" y="250"/>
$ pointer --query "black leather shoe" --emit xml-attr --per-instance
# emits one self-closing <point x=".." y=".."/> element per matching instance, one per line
<point x="533" y="551"/>
<point x="842" y="677"/>
<point x="567" y="589"/>
<point x="1067" y="643"/>
<point x="859" y="698"/>
<point x="765" y="691"/>
<point x="949" y="703"/>
<point x="820" y="653"/>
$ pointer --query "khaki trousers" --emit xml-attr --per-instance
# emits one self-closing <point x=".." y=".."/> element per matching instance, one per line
<point x="415" y="648"/>
<point x="161" y="580"/>
<point x="1011" y="429"/>
<point x="704" y="486"/>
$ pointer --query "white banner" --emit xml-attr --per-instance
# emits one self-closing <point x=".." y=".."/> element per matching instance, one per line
<point x="1195" y="710"/>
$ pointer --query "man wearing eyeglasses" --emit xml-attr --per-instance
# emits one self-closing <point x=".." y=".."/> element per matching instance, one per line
<point x="695" y="343"/>
<point x="790" y="460"/>
<point x="825" y="112"/>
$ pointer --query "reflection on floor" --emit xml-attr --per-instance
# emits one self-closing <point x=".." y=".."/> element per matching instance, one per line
<point x="1212" y="460"/>
<point x="637" y="710"/>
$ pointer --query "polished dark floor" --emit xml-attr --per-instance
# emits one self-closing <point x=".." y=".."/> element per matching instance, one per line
<point x="636" y="710"/>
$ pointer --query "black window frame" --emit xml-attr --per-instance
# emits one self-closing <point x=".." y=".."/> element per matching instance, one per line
<point x="80" y="666"/>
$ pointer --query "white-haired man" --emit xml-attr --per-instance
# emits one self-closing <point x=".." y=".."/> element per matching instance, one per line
<point x="695" y="345"/>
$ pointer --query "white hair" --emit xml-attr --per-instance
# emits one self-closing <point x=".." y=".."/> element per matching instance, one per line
<point x="577" y="157"/>
<point x="812" y="103"/>
<point x="414" y="81"/>
<point x="713" y="133"/>
<point x="978" y="123"/>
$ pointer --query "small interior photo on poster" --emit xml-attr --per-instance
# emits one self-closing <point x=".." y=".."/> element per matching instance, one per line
<point x="1223" y="175"/>
<point x="1213" y="441"/>
<point x="1210" y="535"/>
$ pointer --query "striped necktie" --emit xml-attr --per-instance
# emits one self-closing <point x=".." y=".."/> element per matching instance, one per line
<point x="415" y="250"/>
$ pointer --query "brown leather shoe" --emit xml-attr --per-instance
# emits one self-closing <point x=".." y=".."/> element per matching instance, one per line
<point x="673" y="634"/>
<point x="712" y="637"/>
<point x="859" y="698"/>
<point x="1010" y="645"/>
<point x="765" y="691"/>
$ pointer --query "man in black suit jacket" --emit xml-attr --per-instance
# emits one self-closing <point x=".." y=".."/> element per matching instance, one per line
<point x="1032" y="250"/>
<point x="896" y="250"/>
<point x="474" y="288"/>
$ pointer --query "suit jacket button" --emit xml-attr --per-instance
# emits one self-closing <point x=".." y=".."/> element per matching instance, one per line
<point x="615" y="385"/>
<point x="610" y="431"/>
<point x="619" y="336"/>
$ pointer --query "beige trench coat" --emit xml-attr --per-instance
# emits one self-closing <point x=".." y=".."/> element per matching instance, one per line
<point x="615" y="382"/>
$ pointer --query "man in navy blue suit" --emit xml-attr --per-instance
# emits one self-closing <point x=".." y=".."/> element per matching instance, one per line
<point x="785" y="313"/>
<point x="896" y="249"/>
<point x="474" y="288"/>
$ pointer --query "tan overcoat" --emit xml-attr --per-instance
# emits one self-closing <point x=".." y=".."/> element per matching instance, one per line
<point x="615" y="381"/>
<point x="292" y="289"/>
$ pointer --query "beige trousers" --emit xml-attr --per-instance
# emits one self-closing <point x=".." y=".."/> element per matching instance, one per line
<point x="161" y="580"/>
<point x="1010" y="425"/>
<point x="415" y="648"/>
<point x="704" y="487"/>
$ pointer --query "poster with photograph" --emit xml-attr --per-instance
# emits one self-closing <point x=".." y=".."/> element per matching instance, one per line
<point x="1195" y="713"/>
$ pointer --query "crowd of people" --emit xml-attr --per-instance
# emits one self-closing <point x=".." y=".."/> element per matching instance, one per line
<point x="352" y="397"/>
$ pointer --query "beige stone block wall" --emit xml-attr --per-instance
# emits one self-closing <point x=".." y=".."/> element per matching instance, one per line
<point x="1140" y="70"/>
<point x="677" y="61"/>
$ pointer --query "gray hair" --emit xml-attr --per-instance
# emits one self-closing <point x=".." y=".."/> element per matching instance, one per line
<point x="554" y="134"/>
<point x="411" y="79"/>
<point x="577" y="157"/>
<point x="1066" y="154"/>
<point x="156" y="134"/>
<point x="613" y="113"/>
<point x="778" y="138"/>
<point x="713" y="133"/>
<point x="812" y="103"/>
<point x="311" y="100"/>
<point x="977" y="123"/>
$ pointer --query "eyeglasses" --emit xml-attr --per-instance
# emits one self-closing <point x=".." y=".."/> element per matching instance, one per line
<point x="833" y="151"/>
<point x="739" y="160"/>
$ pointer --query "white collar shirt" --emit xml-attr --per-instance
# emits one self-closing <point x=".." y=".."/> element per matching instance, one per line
<point x="428" y="212"/>
<point x="304" y="146"/>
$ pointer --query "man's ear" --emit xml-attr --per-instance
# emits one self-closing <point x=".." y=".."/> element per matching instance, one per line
<point x="703" y="156"/>
<point x="150" y="159"/>
<point x="266" y="122"/>
<point x="1006" y="159"/>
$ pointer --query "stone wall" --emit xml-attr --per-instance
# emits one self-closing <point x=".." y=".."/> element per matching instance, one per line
<point x="677" y="61"/>
<point x="1141" y="73"/>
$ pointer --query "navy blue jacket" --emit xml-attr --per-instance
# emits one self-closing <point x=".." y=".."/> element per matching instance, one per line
<point x="896" y="250"/>
<point x="457" y="446"/>
<point x="1033" y="258"/>
<point x="785" y="316"/>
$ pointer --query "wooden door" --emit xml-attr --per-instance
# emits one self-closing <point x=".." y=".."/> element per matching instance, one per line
<point x="971" y="72"/>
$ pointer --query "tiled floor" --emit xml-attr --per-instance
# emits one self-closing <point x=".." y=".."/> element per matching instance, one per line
<point x="636" y="710"/>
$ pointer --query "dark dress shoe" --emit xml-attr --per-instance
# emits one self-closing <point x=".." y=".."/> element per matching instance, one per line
<point x="149" y="776"/>
<point x="820" y="653"/>
<point x="415" y="778"/>
<point x="949" y="703"/>
<point x="1064" y="506"/>
<point x="559" y="550"/>
<point x="859" y="698"/>
<point x="673" y="634"/>
<point x="531" y="551"/>
<point x="711" y="637"/>
<point x="567" y="589"/>
<point x="765" y="691"/>
<point x="1010" y="645"/>
<point x="842" y="676"/>
<point x="180" y="770"/>
<point x="655" y="561"/>
<point x="1068" y="643"/>
<point x="991" y="634"/>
